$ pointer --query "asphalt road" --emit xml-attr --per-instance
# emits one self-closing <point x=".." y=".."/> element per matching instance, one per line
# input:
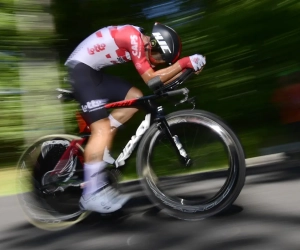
<point x="265" y="216"/>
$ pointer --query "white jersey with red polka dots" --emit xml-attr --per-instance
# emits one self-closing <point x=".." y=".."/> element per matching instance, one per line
<point x="111" y="45"/>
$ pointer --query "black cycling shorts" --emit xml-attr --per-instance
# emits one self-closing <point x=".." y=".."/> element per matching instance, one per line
<point x="93" y="89"/>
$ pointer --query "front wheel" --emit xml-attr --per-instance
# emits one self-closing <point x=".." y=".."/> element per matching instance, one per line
<point x="206" y="187"/>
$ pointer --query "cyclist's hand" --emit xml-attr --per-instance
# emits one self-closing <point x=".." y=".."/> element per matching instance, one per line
<point x="199" y="71"/>
<point x="198" y="62"/>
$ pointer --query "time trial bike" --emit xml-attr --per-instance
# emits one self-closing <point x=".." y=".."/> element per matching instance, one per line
<point x="189" y="162"/>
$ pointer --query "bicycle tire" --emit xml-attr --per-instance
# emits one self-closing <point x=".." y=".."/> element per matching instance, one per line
<point x="43" y="212"/>
<point x="187" y="208"/>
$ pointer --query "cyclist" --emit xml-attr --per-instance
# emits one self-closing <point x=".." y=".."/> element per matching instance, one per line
<point x="93" y="89"/>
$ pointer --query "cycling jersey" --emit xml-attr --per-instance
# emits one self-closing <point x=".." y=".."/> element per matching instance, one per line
<point x="109" y="46"/>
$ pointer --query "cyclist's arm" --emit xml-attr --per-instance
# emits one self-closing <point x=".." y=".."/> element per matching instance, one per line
<point x="173" y="78"/>
<point x="170" y="73"/>
<point x="176" y="76"/>
<point x="166" y="75"/>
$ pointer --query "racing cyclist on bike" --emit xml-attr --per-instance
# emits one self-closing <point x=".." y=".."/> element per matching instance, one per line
<point x="93" y="89"/>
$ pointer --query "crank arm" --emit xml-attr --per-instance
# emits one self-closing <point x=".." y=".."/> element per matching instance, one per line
<point x="51" y="189"/>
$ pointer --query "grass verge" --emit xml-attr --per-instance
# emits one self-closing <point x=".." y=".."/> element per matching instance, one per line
<point x="8" y="181"/>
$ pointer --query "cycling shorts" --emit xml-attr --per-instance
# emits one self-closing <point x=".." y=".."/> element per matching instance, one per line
<point x="93" y="89"/>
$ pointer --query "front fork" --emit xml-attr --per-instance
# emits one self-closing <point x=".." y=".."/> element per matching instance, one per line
<point x="174" y="140"/>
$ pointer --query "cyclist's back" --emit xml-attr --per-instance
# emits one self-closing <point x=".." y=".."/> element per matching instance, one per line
<point x="108" y="46"/>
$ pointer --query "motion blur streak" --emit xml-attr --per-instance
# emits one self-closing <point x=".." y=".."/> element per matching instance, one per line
<point x="251" y="80"/>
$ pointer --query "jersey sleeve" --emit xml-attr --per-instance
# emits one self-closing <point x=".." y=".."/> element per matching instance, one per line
<point x="129" y="38"/>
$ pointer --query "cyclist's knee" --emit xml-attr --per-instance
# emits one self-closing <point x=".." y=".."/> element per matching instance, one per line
<point x="134" y="93"/>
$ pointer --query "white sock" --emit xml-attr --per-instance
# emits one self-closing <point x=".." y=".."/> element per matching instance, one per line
<point x="113" y="122"/>
<point x="94" y="177"/>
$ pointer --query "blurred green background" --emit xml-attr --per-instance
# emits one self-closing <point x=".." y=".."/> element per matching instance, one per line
<point x="250" y="47"/>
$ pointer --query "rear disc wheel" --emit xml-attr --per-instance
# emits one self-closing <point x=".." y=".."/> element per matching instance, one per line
<point x="50" y="200"/>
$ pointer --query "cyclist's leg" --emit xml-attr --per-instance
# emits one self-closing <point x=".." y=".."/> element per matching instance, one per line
<point x="90" y="91"/>
<point x="87" y="90"/>
<point x="98" y="195"/>
<point x="122" y="91"/>
<point x="123" y="115"/>
<point x="118" y="90"/>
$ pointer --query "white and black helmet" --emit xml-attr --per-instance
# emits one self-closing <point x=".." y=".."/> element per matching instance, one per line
<point x="165" y="44"/>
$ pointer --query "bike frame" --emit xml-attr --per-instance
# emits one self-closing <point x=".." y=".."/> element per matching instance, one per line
<point x="154" y="113"/>
<point x="151" y="110"/>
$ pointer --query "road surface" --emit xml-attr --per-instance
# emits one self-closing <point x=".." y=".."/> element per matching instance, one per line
<point x="265" y="216"/>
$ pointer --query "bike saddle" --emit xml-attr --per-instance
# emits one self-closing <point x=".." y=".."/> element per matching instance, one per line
<point x="65" y="95"/>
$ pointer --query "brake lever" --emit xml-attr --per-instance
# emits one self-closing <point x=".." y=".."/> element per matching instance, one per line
<point x="186" y="97"/>
<point x="191" y="100"/>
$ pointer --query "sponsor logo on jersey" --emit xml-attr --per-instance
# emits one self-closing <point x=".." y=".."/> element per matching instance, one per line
<point x="93" y="105"/>
<point x="96" y="48"/>
<point x="134" y="46"/>
<point x="164" y="46"/>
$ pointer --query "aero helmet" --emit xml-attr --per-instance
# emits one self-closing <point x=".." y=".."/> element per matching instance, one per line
<point x="165" y="44"/>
